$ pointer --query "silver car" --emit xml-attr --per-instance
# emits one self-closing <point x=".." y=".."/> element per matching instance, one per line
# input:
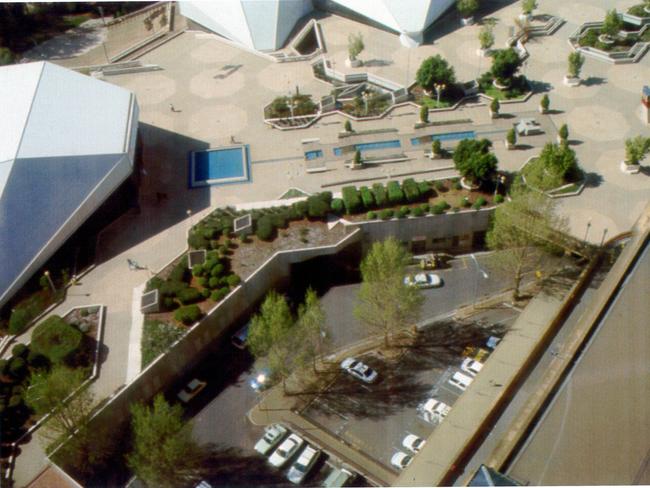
<point x="303" y="465"/>
<point x="272" y="435"/>
<point x="359" y="370"/>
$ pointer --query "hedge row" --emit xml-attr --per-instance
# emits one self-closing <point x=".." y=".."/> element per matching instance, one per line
<point x="316" y="207"/>
<point x="410" y="191"/>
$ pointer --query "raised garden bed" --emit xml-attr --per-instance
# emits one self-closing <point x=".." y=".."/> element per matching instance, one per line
<point x="448" y="98"/>
<point x="535" y="176"/>
<point x="628" y="46"/>
<point x="519" y="88"/>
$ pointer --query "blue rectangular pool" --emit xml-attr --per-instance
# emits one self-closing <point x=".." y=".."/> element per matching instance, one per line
<point x="218" y="166"/>
<point x="310" y="155"/>
<point x="447" y="136"/>
<point x="369" y="146"/>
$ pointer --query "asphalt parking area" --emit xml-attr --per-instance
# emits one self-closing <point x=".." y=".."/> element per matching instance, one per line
<point x="375" y="418"/>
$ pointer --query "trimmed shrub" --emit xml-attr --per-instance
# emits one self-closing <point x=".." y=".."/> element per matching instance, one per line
<point x="395" y="193"/>
<point x="445" y="205"/>
<point x="386" y="214"/>
<point x="265" y="229"/>
<point x="424" y="187"/>
<point x="466" y="203"/>
<point x="417" y="212"/>
<point x="169" y="303"/>
<point x="56" y="339"/>
<point x="205" y="293"/>
<point x="172" y="288"/>
<point x="17" y="367"/>
<point x="189" y="295"/>
<point x="214" y="282"/>
<point x="317" y="206"/>
<point x="371" y="215"/>
<point x="438" y="209"/>
<point x="457" y="185"/>
<point x="480" y="201"/>
<point x="18" y="321"/>
<point x="338" y="207"/>
<point x="403" y="212"/>
<point x="351" y="199"/>
<point x="436" y="147"/>
<point x="366" y="197"/>
<point x="198" y="270"/>
<point x="180" y="272"/>
<point x="233" y="280"/>
<point x="299" y="210"/>
<point x="19" y="351"/>
<point x="411" y="190"/>
<point x="202" y="281"/>
<point x="381" y="197"/>
<point x="280" y="220"/>
<point x="498" y="199"/>
<point x="154" y="283"/>
<point x="219" y="294"/>
<point x="188" y="314"/>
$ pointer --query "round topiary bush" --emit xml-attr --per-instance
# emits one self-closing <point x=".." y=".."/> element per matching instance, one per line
<point x="189" y="295"/>
<point x="418" y="212"/>
<point x="265" y="229"/>
<point x="17" y="367"/>
<point x="386" y="214"/>
<point x="18" y="321"/>
<point x="188" y="314"/>
<point x="169" y="303"/>
<point x="233" y="280"/>
<point x="205" y="293"/>
<point x="338" y="207"/>
<point x="498" y="199"/>
<point x="19" y="351"/>
<point x="403" y="212"/>
<point x="371" y="215"/>
<point x="56" y="339"/>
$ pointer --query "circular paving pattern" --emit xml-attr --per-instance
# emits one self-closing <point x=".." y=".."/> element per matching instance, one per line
<point x="151" y="88"/>
<point x="598" y="123"/>
<point x="214" y="51"/>
<point x="556" y="78"/>
<point x="217" y="83"/>
<point x="629" y="77"/>
<point x="607" y="165"/>
<point x="579" y="13"/>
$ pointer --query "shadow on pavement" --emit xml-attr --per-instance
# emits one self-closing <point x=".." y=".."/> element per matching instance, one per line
<point x="231" y="467"/>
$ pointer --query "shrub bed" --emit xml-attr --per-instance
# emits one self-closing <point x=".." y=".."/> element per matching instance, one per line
<point x="157" y="336"/>
<point x="188" y="314"/>
<point x="56" y="340"/>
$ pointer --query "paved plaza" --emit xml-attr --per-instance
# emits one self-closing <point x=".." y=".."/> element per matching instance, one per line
<point x="218" y="92"/>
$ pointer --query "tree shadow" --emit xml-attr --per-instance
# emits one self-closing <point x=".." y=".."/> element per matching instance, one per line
<point x="593" y="180"/>
<point x="575" y="142"/>
<point x="537" y="86"/>
<point x="507" y="116"/>
<point x="645" y="170"/>
<point x="232" y="467"/>
<point x="558" y="283"/>
<point x="594" y="81"/>
<point x="554" y="112"/>
<point x="372" y="63"/>
<point x="524" y="147"/>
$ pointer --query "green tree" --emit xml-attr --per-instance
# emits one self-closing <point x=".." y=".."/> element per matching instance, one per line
<point x="435" y="70"/>
<point x="270" y="325"/>
<point x="511" y="137"/>
<point x="486" y="37"/>
<point x="612" y="24"/>
<point x="311" y="322"/>
<point x="559" y="160"/>
<point x="576" y="60"/>
<point x="527" y="6"/>
<point x="467" y="8"/>
<point x="523" y="230"/>
<point x="347" y="126"/>
<point x="505" y="64"/>
<point x="355" y="46"/>
<point x="67" y="428"/>
<point x="386" y="304"/>
<point x="424" y="114"/>
<point x="636" y="149"/>
<point x="357" y="162"/>
<point x="545" y="103"/>
<point x="474" y="160"/>
<point x="563" y="132"/>
<point x="164" y="453"/>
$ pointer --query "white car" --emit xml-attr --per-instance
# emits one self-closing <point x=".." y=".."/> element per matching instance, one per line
<point x="192" y="389"/>
<point x="423" y="280"/>
<point x="471" y="366"/>
<point x="435" y="410"/>
<point x="272" y="435"/>
<point x="528" y="127"/>
<point x="287" y="449"/>
<point x="401" y="460"/>
<point x="359" y="370"/>
<point x="413" y="443"/>
<point x="303" y="465"/>
<point x="461" y="381"/>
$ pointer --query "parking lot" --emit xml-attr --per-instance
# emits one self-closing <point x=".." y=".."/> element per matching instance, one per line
<point x="375" y="418"/>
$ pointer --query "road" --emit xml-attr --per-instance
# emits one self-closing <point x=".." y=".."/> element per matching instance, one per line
<point x="597" y="429"/>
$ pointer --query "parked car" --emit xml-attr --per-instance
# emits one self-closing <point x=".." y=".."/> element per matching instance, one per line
<point x="413" y="443"/>
<point x="338" y="477"/>
<point x="239" y="338"/>
<point x="493" y="342"/>
<point x="401" y="460"/>
<point x="359" y="370"/>
<point x="303" y="465"/>
<point x="528" y="127"/>
<point x="192" y="389"/>
<point x="286" y="450"/>
<point x="203" y="484"/>
<point x="461" y="381"/>
<point x="273" y="434"/>
<point x="261" y="380"/>
<point x="471" y="366"/>
<point x="423" y="280"/>
<point x="435" y="410"/>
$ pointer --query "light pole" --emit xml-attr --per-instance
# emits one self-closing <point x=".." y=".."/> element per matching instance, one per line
<point x="500" y="179"/>
<point x="439" y="87"/>
<point x="291" y="105"/>
<point x="483" y="273"/>
<point x="587" y="230"/>
<point x="49" y="279"/>
<point x="602" y="240"/>
<point x="365" y="95"/>
<point x="189" y="216"/>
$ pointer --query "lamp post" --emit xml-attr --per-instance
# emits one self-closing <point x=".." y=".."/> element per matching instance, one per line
<point x="500" y="179"/>
<point x="291" y="105"/>
<point x="46" y="273"/>
<point x="587" y="230"/>
<point x="483" y="273"/>
<point x="602" y="240"/>
<point x="365" y="95"/>
<point x="438" y="87"/>
<point x="189" y="216"/>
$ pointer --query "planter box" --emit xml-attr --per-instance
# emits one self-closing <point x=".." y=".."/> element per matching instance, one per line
<point x="570" y="81"/>
<point x="494" y="115"/>
<point x="467" y="21"/>
<point x="353" y="63"/>
<point x="509" y="146"/>
<point x="630" y="169"/>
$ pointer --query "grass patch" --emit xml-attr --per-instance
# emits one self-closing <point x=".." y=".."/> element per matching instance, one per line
<point x="56" y="339"/>
<point x="433" y="103"/>
<point x="573" y="187"/>
<point x="157" y="336"/>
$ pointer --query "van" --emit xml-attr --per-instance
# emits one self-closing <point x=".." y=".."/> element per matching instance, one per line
<point x="239" y="338"/>
<point x="338" y="477"/>
<point x="461" y="381"/>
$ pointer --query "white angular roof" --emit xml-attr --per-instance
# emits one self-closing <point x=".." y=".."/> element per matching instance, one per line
<point x="64" y="138"/>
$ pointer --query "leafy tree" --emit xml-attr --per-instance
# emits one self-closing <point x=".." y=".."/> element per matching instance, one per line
<point x="576" y="60"/>
<point x="474" y="160"/>
<point x="495" y="106"/>
<point x="358" y="160"/>
<point x="436" y="147"/>
<point x="486" y="36"/>
<point x="545" y="103"/>
<point x="523" y="230"/>
<point x="311" y="320"/>
<point x="511" y="137"/>
<point x="355" y="46"/>
<point x="435" y="70"/>
<point x="424" y="114"/>
<point x="636" y="149"/>
<point x="347" y="126"/>
<point x="612" y="24"/>
<point x="563" y="132"/>
<point x="67" y="427"/>
<point x="466" y="8"/>
<point x="269" y="326"/>
<point x="527" y="6"/>
<point x="560" y="161"/>
<point x="164" y="453"/>
<point x="505" y="64"/>
<point x="386" y="304"/>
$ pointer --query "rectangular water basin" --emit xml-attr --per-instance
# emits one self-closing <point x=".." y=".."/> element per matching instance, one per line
<point x="219" y="166"/>
<point x="311" y="155"/>
<point x="447" y="136"/>
<point x="368" y="146"/>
